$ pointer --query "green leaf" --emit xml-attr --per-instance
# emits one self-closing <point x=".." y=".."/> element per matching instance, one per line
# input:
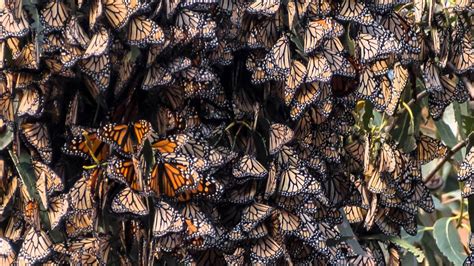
<point x="346" y="231"/>
<point x="458" y="112"/>
<point x="432" y="253"/>
<point x="418" y="253"/>
<point x="448" y="241"/>
<point x="404" y="134"/>
<point x="446" y="133"/>
<point x="377" y="118"/>
<point x="368" y="115"/>
<point x="468" y="123"/>
<point x="6" y="137"/>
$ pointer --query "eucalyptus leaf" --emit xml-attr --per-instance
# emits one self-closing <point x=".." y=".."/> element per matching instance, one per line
<point x="368" y="114"/>
<point x="447" y="135"/>
<point x="404" y="134"/>
<point x="458" y="111"/>
<point x="6" y="137"/>
<point x="448" y="241"/>
<point x="346" y="231"/>
<point x="418" y="253"/>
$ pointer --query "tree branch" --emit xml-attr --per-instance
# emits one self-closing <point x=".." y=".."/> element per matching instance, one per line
<point x="450" y="153"/>
<point x="401" y="111"/>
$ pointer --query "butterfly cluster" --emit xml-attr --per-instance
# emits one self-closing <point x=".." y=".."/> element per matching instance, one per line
<point x="218" y="132"/>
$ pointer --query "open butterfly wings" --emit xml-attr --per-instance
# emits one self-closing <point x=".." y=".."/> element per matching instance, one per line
<point x="125" y="139"/>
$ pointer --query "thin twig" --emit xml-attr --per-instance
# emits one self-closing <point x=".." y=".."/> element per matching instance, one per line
<point x="450" y="153"/>
<point x="401" y="111"/>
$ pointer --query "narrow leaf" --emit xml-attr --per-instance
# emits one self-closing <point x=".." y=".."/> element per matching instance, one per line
<point x="6" y="138"/>
<point x="448" y="241"/>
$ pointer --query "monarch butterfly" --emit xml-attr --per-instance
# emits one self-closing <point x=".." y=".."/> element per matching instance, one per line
<point x="295" y="79"/>
<point x="8" y="253"/>
<point x="52" y="43"/>
<point x="380" y="67"/>
<point x="9" y="193"/>
<point x="223" y="54"/>
<point x="318" y="69"/>
<point x="95" y="12"/>
<point x="287" y="156"/>
<point x="75" y="35"/>
<point x="126" y="171"/>
<point x="57" y="209"/>
<point x="258" y="232"/>
<point x="47" y="181"/>
<point x="156" y="76"/>
<point x="243" y="194"/>
<point x="118" y="12"/>
<point x="367" y="85"/>
<point x="293" y="180"/>
<point x="128" y="201"/>
<point x="265" y="251"/>
<point x="236" y="257"/>
<point x="54" y="15"/>
<point x="463" y="55"/>
<point x="125" y="139"/>
<point x="297" y="9"/>
<point x="89" y="248"/>
<point x="248" y="166"/>
<point x="191" y="21"/>
<point x="352" y="10"/>
<point x="84" y="143"/>
<point x="387" y="159"/>
<point x="386" y="226"/>
<point x="81" y="195"/>
<point x="278" y="60"/>
<point x="7" y="111"/>
<point x="143" y="31"/>
<point x="36" y="246"/>
<point x="334" y="51"/>
<point x="169" y="242"/>
<point x="173" y="177"/>
<point x="11" y="26"/>
<point x="28" y="57"/>
<point x="429" y="149"/>
<point x="70" y="55"/>
<point x="280" y="135"/>
<point x="269" y="29"/>
<point x="207" y="187"/>
<point x="166" y="220"/>
<point x="80" y="222"/>
<point x="319" y="30"/>
<point x="466" y="169"/>
<point x="403" y="31"/>
<point x="56" y="68"/>
<point x="399" y="82"/>
<point x="173" y="173"/>
<point x="309" y="232"/>
<point x="337" y="189"/>
<point x="31" y="103"/>
<point x="305" y="96"/>
<point x="382" y="6"/>
<point x="179" y="63"/>
<point x="98" y="68"/>
<point x="289" y="222"/>
<point x="264" y="7"/>
<point x="98" y="44"/>
<point x="196" y="222"/>
<point x="37" y="135"/>
<point x="254" y="214"/>
<point x="452" y="90"/>
<point x="468" y="188"/>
